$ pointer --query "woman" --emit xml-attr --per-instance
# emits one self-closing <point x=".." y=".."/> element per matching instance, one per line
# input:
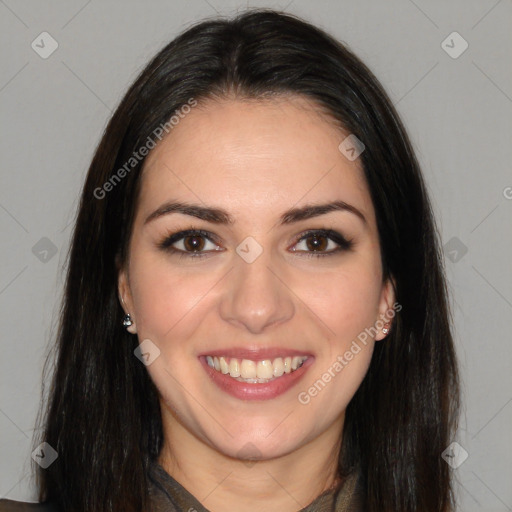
<point x="255" y="314"/>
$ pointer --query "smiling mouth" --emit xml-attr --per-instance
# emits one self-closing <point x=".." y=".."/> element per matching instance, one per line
<point x="255" y="372"/>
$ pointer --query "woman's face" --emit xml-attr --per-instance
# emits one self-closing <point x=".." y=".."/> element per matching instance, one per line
<point x="252" y="294"/>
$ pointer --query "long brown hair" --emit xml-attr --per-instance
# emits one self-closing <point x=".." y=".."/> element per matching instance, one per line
<point x="103" y="415"/>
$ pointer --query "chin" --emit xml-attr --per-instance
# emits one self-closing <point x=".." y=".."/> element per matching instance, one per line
<point x="260" y="442"/>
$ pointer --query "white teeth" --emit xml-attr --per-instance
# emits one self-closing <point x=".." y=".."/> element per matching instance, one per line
<point x="295" y="362"/>
<point x="234" y="368"/>
<point x="278" y="367"/>
<point x="264" y="369"/>
<point x="253" y="372"/>
<point x="224" y="368"/>
<point x="248" y="369"/>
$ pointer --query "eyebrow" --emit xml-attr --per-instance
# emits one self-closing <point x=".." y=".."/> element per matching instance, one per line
<point x="220" y="216"/>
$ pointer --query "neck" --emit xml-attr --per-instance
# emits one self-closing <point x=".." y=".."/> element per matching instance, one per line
<point x="221" y="483"/>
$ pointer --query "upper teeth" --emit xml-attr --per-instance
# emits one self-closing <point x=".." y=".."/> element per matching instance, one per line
<point x="248" y="369"/>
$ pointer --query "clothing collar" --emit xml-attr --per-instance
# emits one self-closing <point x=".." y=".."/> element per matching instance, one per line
<point x="169" y="495"/>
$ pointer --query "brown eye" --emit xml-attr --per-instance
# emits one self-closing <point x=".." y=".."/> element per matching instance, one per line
<point x="317" y="243"/>
<point x="193" y="243"/>
<point x="322" y="243"/>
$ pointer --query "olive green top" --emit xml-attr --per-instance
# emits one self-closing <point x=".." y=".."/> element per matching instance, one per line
<point x="168" y="495"/>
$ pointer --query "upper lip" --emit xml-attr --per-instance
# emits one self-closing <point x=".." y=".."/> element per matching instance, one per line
<point x="255" y="354"/>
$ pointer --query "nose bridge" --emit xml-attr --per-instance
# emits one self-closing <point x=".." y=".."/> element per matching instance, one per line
<point x="255" y="296"/>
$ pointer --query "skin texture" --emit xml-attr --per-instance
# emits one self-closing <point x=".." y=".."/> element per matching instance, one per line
<point x="255" y="159"/>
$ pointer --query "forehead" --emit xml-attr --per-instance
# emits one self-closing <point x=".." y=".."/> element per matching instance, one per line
<point x="253" y="156"/>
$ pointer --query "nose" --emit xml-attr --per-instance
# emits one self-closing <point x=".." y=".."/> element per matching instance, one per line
<point x="256" y="295"/>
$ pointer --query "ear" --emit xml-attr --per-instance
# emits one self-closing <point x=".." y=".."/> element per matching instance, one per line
<point x="386" y="308"/>
<point x="125" y="297"/>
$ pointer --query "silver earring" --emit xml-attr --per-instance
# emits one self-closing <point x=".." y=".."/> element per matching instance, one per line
<point x="127" y="321"/>
<point x="385" y="329"/>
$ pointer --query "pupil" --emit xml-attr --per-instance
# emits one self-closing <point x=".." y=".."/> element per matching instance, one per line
<point x="193" y="243"/>
<point x="316" y="242"/>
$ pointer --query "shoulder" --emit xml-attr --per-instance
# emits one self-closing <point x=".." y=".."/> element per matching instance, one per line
<point x="22" y="506"/>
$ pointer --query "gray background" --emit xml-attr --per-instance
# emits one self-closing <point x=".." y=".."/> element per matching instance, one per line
<point x="457" y="111"/>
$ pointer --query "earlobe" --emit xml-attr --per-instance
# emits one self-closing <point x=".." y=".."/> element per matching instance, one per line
<point x="124" y="294"/>
<point x="386" y="309"/>
<point x="129" y="324"/>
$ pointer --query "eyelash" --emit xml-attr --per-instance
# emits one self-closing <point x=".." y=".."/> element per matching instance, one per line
<point x="343" y="243"/>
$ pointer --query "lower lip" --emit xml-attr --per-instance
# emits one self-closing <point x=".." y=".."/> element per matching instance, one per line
<point x="257" y="391"/>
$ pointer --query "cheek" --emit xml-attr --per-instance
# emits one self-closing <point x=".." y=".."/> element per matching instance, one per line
<point x="348" y="305"/>
<point x="163" y="298"/>
<point x="346" y="300"/>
